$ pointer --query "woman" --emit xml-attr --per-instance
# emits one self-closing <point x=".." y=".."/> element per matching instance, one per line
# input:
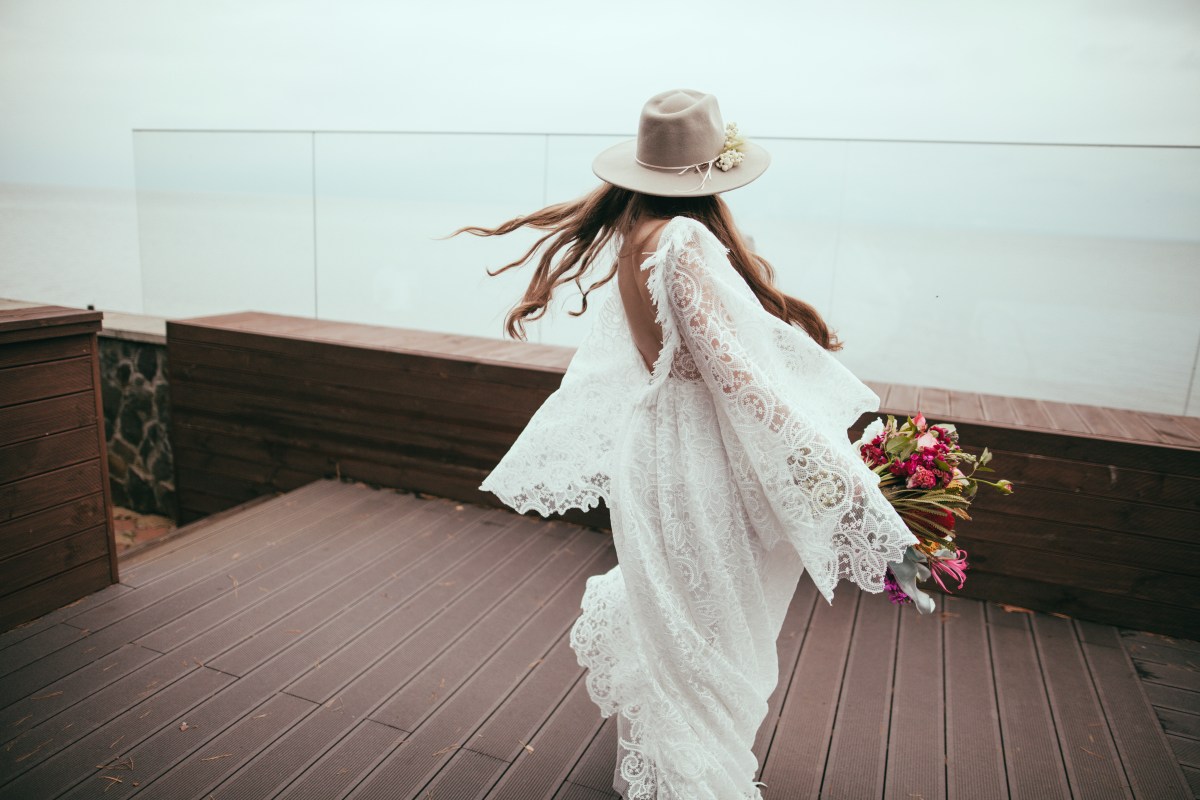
<point x="705" y="409"/>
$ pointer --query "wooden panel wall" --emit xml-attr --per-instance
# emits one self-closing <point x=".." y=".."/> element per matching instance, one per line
<point x="254" y="412"/>
<point x="1100" y="529"/>
<point x="56" y="533"/>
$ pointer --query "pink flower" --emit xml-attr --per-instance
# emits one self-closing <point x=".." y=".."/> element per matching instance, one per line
<point x="919" y="421"/>
<point x="895" y="594"/>
<point x="954" y="568"/>
<point x="922" y="478"/>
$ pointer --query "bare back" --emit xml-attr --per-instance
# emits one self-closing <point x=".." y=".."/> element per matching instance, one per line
<point x="635" y="294"/>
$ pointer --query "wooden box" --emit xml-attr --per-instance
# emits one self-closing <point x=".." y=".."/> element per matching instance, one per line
<point x="56" y="531"/>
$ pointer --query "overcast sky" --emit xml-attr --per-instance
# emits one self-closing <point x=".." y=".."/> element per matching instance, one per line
<point x="77" y="75"/>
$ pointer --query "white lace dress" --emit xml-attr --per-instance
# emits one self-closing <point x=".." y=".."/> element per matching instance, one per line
<point x="728" y="473"/>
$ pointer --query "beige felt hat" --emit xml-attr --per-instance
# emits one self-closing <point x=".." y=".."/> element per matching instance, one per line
<point x="681" y="150"/>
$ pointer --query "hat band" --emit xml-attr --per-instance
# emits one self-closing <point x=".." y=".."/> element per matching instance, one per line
<point x="707" y="173"/>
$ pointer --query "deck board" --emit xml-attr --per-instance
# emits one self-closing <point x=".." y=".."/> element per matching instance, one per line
<point x="795" y="764"/>
<point x="916" y="748"/>
<point x="378" y="644"/>
<point x="1089" y="754"/>
<point x="1033" y="751"/>
<point x="858" y="751"/>
<point x="974" y="748"/>
<point x="1167" y="668"/>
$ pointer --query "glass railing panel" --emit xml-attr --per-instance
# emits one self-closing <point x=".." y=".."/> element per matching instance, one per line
<point x="1062" y="273"/>
<point x="382" y="202"/>
<point x="225" y="222"/>
<point x="1059" y="272"/>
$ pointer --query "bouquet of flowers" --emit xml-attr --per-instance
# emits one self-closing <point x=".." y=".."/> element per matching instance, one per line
<point x="930" y="481"/>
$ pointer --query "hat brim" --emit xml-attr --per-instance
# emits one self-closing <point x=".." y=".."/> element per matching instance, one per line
<point x="617" y="165"/>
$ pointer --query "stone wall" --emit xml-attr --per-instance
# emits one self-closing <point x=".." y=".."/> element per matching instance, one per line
<point x="141" y="470"/>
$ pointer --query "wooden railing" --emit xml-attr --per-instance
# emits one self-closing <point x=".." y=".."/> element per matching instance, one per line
<point x="1105" y="524"/>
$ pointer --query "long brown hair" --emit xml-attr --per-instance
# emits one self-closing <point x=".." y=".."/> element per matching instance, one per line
<point x="580" y="230"/>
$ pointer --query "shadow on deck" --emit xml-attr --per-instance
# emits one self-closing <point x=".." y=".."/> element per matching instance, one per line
<point x="339" y="641"/>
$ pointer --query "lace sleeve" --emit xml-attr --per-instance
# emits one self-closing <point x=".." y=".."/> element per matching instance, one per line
<point x="561" y="458"/>
<point x="778" y="401"/>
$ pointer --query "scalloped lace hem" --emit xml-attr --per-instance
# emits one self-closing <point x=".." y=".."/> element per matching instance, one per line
<point x="604" y="645"/>
<point x="546" y="501"/>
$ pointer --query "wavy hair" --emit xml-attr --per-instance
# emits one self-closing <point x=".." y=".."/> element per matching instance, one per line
<point x="579" y="231"/>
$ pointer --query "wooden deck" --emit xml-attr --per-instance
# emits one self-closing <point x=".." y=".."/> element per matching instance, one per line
<point x="340" y="641"/>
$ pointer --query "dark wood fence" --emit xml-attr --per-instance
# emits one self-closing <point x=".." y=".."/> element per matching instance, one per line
<point x="56" y="534"/>
<point x="263" y="403"/>
<point x="1104" y="524"/>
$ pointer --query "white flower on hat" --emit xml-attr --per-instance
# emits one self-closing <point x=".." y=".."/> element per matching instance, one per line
<point x="730" y="155"/>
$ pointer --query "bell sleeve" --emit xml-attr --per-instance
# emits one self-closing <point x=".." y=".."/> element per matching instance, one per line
<point x="561" y="459"/>
<point x="784" y="405"/>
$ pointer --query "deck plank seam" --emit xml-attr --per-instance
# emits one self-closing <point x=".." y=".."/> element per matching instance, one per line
<point x="432" y="619"/>
<point x="381" y="532"/>
<point x="563" y="634"/>
<point x="269" y="514"/>
<point x="449" y="643"/>
<point x="287" y="557"/>
<point x="491" y="533"/>
<point x="200" y="530"/>
<point x="886" y="723"/>
<point x="321" y="515"/>
<point x="837" y="704"/>
<point x="541" y="725"/>
<point x="791" y="677"/>
<point x="429" y="554"/>
<point x="945" y="701"/>
<point x="560" y="587"/>
<point x="1137" y="682"/>
<point x="1055" y="715"/>
<point x="83" y="698"/>
<point x="1004" y="745"/>
<point x="215" y="736"/>
<point x="83" y="776"/>
<point x="1077" y="647"/>
<point x="595" y="738"/>
<point x="282" y="546"/>
<point x="20" y="633"/>
<point x="159" y="687"/>
<point x="120" y="620"/>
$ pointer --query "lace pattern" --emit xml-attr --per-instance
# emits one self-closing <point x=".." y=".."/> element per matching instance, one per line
<point x="562" y="458"/>
<point x="786" y="405"/>
<point x="728" y="474"/>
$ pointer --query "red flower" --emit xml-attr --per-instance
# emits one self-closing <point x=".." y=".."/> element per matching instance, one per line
<point x="873" y="455"/>
<point x="922" y="478"/>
